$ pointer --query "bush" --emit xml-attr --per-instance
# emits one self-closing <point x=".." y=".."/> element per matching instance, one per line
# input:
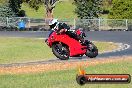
<point x="21" y="13"/>
<point x="5" y="11"/>
<point x="86" y="9"/>
<point x="121" y="9"/>
<point x="105" y="11"/>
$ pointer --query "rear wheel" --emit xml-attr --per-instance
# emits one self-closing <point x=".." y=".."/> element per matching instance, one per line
<point x="92" y="50"/>
<point x="61" y="51"/>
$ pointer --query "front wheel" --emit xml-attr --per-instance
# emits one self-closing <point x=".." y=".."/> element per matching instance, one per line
<point x="92" y="50"/>
<point x="61" y="51"/>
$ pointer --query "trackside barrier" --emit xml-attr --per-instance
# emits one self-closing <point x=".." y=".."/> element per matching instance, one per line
<point x="39" y="24"/>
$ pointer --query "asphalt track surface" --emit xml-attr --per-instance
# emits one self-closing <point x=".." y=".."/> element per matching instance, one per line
<point x="124" y="37"/>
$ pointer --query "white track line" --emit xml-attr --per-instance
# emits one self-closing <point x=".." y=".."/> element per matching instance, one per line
<point x="121" y="47"/>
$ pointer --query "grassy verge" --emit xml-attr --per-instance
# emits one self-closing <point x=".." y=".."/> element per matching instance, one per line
<point x="66" y="78"/>
<point x="23" y="49"/>
<point x="14" y="50"/>
<point x="105" y="46"/>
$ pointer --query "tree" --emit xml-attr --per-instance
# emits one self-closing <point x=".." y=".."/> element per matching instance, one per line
<point x="86" y="9"/>
<point x="110" y="1"/>
<point x="10" y="7"/>
<point x="121" y="9"/>
<point x="15" y="5"/>
<point x="49" y="5"/>
<point x="3" y="2"/>
<point x="6" y="11"/>
<point x="106" y="6"/>
<point x="21" y="13"/>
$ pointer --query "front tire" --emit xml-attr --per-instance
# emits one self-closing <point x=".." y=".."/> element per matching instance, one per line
<point x="61" y="51"/>
<point x="92" y="50"/>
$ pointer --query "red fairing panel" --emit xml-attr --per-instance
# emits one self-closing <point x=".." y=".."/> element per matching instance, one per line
<point x="74" y="46"/>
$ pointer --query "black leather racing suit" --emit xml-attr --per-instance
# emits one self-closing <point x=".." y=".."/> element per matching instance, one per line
<point x="72" y="34"/>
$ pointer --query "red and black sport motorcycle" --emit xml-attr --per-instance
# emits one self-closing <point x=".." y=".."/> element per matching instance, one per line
<point x="64" y="46"/>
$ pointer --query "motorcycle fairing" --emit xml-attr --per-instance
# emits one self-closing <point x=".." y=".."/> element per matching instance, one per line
<point x="74" y="46"/>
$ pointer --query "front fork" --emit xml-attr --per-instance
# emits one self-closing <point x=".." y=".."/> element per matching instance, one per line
<point x="46" y="41"/>
<point x="89" y="44"/>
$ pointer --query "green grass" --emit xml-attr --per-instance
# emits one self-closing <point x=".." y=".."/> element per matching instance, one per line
<point x="14" y="50"/>
<point x="40" y="13"/>
<point x="66" y="78"/>
<point x="104" y="16"/>
<point x="105" y="46"/>
<point x="23" y="49"/>
<point x="63" y="10"/>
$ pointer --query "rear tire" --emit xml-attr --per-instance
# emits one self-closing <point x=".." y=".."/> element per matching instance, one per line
<point x="92" y="50"/>
<point x="57" y="52"/>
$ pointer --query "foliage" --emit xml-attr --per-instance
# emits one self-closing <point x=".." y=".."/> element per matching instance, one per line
<point x="2" y="2"/>
<point x="121" y="9"/>
<point x="21" y="13"/>
<point x="86" y="9"/>
<point x="6" y="11"/>
<point x="106" y="5"/>
<point x="34" y="3"/>
<point x="15" y="5"/>
<point x="9" y="8"/>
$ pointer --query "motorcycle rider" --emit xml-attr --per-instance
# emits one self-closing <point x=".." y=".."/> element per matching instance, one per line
<point x="63" y="27"/>
<point x="58" y="27"/>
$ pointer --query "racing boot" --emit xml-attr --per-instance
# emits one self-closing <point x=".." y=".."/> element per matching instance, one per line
<point x="85" y="42"/>
<point x="82" y="41"/>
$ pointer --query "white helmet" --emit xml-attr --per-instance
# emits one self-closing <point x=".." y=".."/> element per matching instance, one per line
<point x="53" y="21"/>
